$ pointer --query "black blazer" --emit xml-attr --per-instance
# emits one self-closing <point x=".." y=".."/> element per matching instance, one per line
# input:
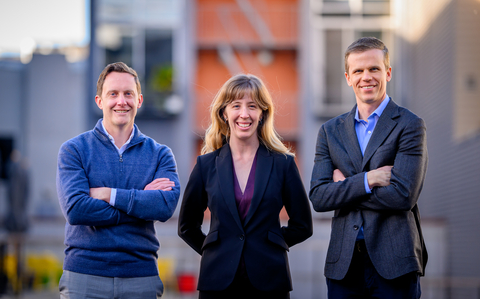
<point x="261" y="240"/>
<point x="389" y="215"/>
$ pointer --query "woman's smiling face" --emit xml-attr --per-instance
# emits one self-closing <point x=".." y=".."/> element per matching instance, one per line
<point x="243" y="116"/>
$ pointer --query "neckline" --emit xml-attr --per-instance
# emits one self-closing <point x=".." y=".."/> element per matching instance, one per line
<point x="249" y="175"/>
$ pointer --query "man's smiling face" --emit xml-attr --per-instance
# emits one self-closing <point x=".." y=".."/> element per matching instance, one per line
<point x="119" y="101"/>
<point x="368" y="76"/>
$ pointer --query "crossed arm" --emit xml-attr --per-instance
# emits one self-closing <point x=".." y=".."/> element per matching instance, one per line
<point x="379" y="177"/>
<point x="103" y="193"/>
<point x="394" y="187"/>
<point x="82" y="205"/>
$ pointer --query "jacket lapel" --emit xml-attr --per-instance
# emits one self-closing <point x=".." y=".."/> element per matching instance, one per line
<point x="346" y="130"/>
<point x="382" y="129"/>
<point x="262" y="176"/>
<point x="224" y="167"/>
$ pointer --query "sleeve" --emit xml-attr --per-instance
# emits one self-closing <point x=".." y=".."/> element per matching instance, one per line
<point x="192" y="210"/>
<point x="325" y="194"/>
<point x="153" y="204"/>
<point x="365" y="182"/>
<point x="296" y="204"/>
<point x="73" y="193"/>
<point x="113" y="196"/>
<point x="408" y="172"/>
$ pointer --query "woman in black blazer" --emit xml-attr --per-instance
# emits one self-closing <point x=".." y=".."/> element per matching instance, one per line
<point x="245" y="177"/>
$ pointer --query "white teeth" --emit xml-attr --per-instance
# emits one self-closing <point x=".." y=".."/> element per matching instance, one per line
<point x="367" y="87"/>
<point x="244" y="125"/>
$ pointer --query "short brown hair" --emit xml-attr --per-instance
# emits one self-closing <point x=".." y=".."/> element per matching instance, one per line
<point x="364" y="44"/>
<point x="118" y="67"/>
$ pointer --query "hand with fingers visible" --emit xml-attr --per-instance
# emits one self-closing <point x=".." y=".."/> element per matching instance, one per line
<point x="379" y="177"/>
<point x="163" y="184"/>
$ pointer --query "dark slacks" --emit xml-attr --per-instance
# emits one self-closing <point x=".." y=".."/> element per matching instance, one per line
<point x="363" y="282"/>
<point x="242" y="288"/>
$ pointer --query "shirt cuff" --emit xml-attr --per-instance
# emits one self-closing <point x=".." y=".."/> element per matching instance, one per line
<point x="365" y="181"/>
<point x="113" y="195"/>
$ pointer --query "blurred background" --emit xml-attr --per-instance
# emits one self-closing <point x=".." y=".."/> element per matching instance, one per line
<point x="52" y="51"/>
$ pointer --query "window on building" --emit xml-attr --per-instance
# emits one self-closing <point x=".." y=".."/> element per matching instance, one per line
<point x="375" y="7"/>
<point x="143" y="38"/>
<point x="158" y="77"/>
<point x="335" y="77"/>
<point x="122" y="52"/>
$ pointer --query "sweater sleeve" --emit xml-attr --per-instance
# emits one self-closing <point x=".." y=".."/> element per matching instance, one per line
<point x="153" y="204"/>
<point x="73" y="193"/>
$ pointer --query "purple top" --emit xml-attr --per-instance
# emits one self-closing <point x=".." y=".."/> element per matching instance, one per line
<point x="243" y="203"/>
<point x="244" y="200"/>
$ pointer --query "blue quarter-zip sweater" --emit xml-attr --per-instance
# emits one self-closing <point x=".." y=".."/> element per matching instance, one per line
<point x="120" y="240"/>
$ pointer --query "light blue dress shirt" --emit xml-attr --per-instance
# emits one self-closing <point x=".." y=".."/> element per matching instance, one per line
<point x="364" y="131"/>
<point x="113" y="191"/>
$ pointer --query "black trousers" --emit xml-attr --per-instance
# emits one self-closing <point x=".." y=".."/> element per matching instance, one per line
<point x="363" y="281"/>
<point x="242" y="288"/>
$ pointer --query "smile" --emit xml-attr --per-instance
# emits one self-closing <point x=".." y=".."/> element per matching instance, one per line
<point x="367" y="87"/>
<point x="121" y="111"/>
<point x="244" y="125"/>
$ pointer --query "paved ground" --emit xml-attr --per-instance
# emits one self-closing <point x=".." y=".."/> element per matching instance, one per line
<point x="34" y="295"/>
<point x="55" y="295"/>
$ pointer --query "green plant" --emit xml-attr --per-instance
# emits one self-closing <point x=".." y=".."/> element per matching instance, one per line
<point x="162" y="78"/>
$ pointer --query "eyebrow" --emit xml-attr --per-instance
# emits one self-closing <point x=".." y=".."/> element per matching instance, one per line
<point x="369" y="67"/>
<point x="239" y="101"/>
<point x="115" y="90"/>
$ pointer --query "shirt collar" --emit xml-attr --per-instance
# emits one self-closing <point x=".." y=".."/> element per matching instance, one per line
<point x="113" y="140"/>
<point x="377" y="111"/>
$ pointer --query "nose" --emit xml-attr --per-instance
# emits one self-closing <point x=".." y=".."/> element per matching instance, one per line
<point x="244" y="112"/>
<point x="367" y="76"/>
<point x="121" y="100"/>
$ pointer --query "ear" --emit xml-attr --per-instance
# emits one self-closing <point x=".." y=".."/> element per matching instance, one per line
<point x="140" y="101"/>
<point x="389" y="74"/>
<point x="347" y="77"/>
<point x="99" y="101"/>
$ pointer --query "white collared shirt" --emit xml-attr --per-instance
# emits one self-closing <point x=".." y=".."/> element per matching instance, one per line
<point x="113" y="191"/>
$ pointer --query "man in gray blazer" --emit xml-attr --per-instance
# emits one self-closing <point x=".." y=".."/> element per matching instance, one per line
<point x="370" y="165"/>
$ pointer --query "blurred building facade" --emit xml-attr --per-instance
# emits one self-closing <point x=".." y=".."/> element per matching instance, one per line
<point x="441" y="42"/>
<point x="185" y="50"/>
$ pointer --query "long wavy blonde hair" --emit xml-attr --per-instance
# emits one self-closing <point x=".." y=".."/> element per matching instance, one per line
<point x="237" y="87"/>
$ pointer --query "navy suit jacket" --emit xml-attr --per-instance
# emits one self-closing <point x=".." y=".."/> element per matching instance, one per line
<point x="389" y="215"/>
<point x="261" y="239"/>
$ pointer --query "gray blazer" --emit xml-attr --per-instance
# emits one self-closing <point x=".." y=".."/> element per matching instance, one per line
<point x="389" y="215"/>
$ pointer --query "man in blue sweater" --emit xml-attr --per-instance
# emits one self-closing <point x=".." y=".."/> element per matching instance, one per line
<point x="113" y="182"/>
